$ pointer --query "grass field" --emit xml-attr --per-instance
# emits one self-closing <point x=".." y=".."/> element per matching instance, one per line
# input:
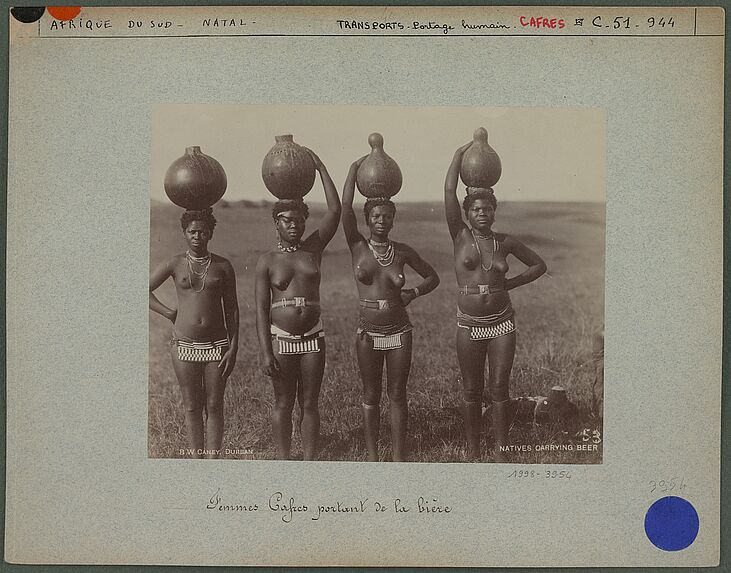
<point x="556" y="316"/>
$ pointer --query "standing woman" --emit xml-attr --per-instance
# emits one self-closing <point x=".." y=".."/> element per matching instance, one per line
<point x="288" y="321"/>
<point x="484" y="312"/>
<point x="384" y="328"/>
<point x="205" y="332"/>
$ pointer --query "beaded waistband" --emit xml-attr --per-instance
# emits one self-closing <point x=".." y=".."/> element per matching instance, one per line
<point x="299" y="301"/>
<point x="479" y="289"/>
<point x="316" y="331"/>
<point x="380" y="304"/>
<point x="464" y="319"/>
<point x="399" y="327"/>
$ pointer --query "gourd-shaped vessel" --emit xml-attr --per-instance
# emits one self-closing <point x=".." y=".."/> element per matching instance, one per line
<point x="378" y="175"/>
<point x="195" y="180"/>
<point x="481" y="165"/>
<point x="288" y="169"/>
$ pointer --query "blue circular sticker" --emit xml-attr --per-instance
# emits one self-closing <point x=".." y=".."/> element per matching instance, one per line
<point x="671" y="523"/>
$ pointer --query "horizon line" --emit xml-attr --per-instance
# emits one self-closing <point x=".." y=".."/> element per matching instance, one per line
<point x="321" y="202"/>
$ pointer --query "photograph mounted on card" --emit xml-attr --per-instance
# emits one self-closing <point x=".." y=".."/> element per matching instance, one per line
<point x="516" y="376"/>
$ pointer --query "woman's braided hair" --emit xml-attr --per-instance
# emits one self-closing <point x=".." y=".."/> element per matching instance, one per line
<point x="475" y="193"/>
<point x="373" y="202"/>
<point x="297" y="205"/>
<point x="203" y="215"/>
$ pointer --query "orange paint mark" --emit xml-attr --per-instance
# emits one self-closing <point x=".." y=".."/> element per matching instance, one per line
<point x="64" y="12"/>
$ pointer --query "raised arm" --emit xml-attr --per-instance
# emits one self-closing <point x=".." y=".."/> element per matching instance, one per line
<point x="158" y="276"/>
<point x="535" y="264"/>
<point x="263" y="297"/>
<point x="231" y="313"/>
<point x="451" y="205"/>
<point x="329" y="223"/>
<point x="350" y="223"/>
<point x="425" y="270"/>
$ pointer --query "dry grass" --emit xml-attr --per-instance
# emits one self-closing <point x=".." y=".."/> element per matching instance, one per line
<point x="555" y="315"/>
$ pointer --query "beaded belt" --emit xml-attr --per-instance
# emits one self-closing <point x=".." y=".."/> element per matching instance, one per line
<point x="479" y="289"/>
<point x="388" y="342"/>
<point x="295" y="301"/>
<point x="201" y="351"/>
<point x="380" y="304"/>
<point x="493" y="331"/>
<point x="298" y="343"/>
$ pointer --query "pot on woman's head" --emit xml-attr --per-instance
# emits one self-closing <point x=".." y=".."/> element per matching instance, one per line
<point x="379" y="175"/>
<point x="481" y="166"/>
<point x="288" y="169"/>
<point x="195" y="180"/>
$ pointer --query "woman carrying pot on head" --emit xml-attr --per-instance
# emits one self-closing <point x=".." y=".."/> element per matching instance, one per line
<point x="384" y="328"/>
<point x="205" y="332"/>
<point x="486" y="327"/>
<point x="288" y="321"/>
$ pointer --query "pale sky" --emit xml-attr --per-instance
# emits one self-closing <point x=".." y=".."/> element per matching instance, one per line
<point x="547" y="154"/>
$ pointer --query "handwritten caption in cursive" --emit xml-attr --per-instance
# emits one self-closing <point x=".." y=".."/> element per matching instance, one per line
<point x="289" y="508"/>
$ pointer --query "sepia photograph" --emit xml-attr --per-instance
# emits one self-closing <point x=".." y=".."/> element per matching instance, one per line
<point x="382" y="284"/>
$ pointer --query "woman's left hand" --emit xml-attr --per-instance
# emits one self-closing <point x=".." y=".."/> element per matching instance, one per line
<point x="318" y="162"/>
<point x="227" y="363"/>
<point x="407" y="295"/>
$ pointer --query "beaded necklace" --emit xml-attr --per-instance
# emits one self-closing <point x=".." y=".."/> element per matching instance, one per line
<point x="290" y="249"/>
<point x="203" y="261"/>
<point x="386" y="258"/>
<point x="475" y="236"/>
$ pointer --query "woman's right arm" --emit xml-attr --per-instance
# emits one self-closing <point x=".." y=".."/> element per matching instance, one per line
<point x="263" y="297"/>
<point x="350" y="223"/>
<point x="451" y="204"/>
<point x="158" y="276"/>
<point x="329" y="223"/>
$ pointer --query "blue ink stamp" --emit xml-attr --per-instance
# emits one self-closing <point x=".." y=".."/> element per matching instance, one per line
<point x="671" y="523"/>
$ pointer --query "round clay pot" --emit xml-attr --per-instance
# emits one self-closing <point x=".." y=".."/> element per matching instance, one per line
<point x="195" y="180"/>
<point x="288" y="169"/>
<point x="481" y="165"/>
<point x="555" y="408"/>
<point x="378" y="175"/>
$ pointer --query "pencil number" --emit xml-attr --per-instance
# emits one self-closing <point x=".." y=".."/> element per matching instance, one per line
<point x="549" y="474"/>
<point x="558" y="475"/>
<point x="523" y="474"/>
<point x="666" y="486"/>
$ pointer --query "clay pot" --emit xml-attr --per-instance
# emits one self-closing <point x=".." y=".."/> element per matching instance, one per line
<point x="378" y="175"/>
<point x="555" y="408"/>
<point x="195" y="180"/>
<point x="288" y="169"/>
<point x="481" y="165"/>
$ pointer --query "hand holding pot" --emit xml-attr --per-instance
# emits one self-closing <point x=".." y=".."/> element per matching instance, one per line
<point x="357" y="163"/>
<point x="318" y="162"/>
<point x="461" y="150"/>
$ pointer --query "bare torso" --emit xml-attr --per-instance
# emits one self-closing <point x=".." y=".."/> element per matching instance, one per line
<point x="292" y="275"/>
<point x="481" y="267"/>
<point x="200" y="314"/>
<point x="377" y="282"/>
